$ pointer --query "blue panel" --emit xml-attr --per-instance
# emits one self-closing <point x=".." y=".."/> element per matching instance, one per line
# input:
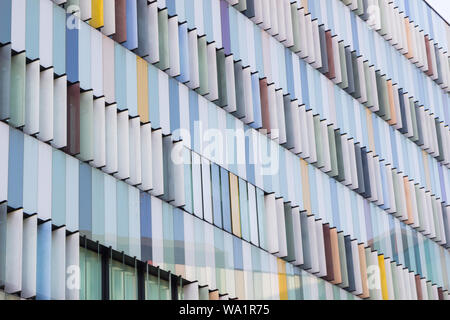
<point x="132" y="27"/>
<point x="15" y="169"/>
<point x="237" y="254"/>
<point x="146" y="227"/>
<point x="216" y="195"/>
<point x="59" y="188"/>
<point x="122" y="217"/>
<point x="44" y="260"/>
<point x="32" y="29"/>
<point x="5" y="21"/>
<point x="184" y="53"/>
<point x="85" y="194"/>
<point x="174" y="108"/>
<point x="72" y="35"/>
<point x="153" y="97"/>
<point x="178" y="236"/>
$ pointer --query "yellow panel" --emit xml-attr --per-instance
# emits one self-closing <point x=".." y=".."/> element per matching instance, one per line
<point x="305" y="184"/>
<point x="382" y="267"/>
<point x="282" y="281"/>
<point x="97" y="14"/>
<point x="235" y="211"/>
<point x="142" y="88"/>
<point x="305" y="5"/>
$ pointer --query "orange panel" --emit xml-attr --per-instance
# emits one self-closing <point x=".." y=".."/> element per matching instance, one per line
<point x="142" y="89"/>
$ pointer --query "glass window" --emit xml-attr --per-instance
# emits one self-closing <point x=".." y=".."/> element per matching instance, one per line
<point x="157" y="288"/>
<point x="91" y="275"/>
<point x="123" y="282"/>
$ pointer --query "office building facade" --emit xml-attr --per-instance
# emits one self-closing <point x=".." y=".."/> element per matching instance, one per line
<point x="224" y="149"/>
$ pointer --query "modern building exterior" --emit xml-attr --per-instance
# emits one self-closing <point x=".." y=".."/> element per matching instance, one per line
<point x="224" y="149"/>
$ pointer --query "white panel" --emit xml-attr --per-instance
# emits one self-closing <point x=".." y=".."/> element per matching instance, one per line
<point x="72" y="267"/>
<point x="196" y="183"/>
<point x="4" y="147"/>
<point x="157" y="164"/>
<point x="190" y="291"/>
<point x="60" y="113"/>
<point x="111" y="139"/>
<point x="178" y="174"/>
<point x="146" y="154"/>
<point x="18" y="23"/>
<point x="99" y="133"/>
<point x="29" y="257"/>
<point x="45" y="181"/>
<point x="32" y="98"/>
<point x="135" y="151"/>
<point x="253" y="213"/>
<point x="174" y="47"/>
<point x="14" y="242"/>
<point x="46" y="106"/>
<point x="110" y="193"/>
<point x="72" y="193"/>
<point x="194" y="81"/>
<point x="97" y="59"/>
<point x="153" y="32"/>
<point x="157" y="232"/>
<point x="206" y="185"/>
<point x="271" y="223"/>
<point x="109" y="14"/>
<point x="123" y="146"/>
<point x="46" y="34"/>
<point x="281" y="225"/>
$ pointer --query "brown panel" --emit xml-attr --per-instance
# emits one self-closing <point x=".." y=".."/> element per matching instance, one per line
<point x="336" y="258"/>
<point x="264" y="104"/>
<point x="440" y="294"/>
<point x="419" y="288"/>
<point x="364" y="280"/>
<point x="430" y="62"/>
<point x="121" y="21"/>
<point x="328" y="252"/>
<point x="331" y="67"/>
<point x="73" y="119"/>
